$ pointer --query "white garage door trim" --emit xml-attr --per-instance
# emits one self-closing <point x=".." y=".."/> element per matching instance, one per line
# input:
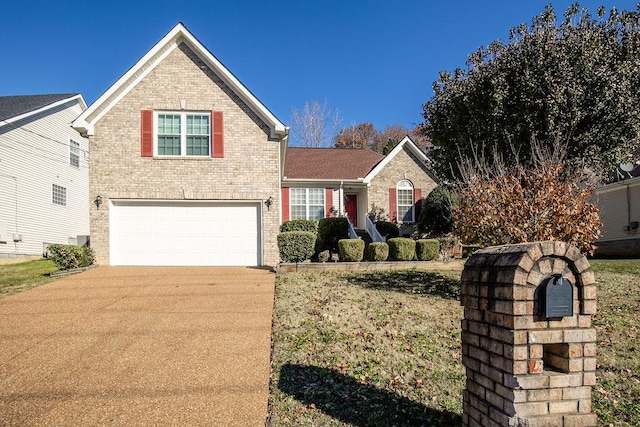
<point x="185" y="232"/>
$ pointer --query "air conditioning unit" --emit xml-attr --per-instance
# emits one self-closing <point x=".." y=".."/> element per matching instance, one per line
<point x="17" y="237"/>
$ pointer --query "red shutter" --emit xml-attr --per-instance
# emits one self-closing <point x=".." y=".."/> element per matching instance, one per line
<point x="328" y="202"/>
<point x="417" y="197"/>
<point x="393" y="205"/>
<point x="285" y="204"/>
<point x="146" y="139"/>
<point x="217" y="134"/>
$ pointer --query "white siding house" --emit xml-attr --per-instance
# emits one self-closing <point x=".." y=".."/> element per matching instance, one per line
<point x="44" y="173"/>
<point x="619" y="204"/>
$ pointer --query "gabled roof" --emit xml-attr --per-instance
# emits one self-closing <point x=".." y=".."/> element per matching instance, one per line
<point x="13" y="108"/>
<point x="329" y="163"/>
<point x="179" y="34"/>
<point x="405" y="143"/>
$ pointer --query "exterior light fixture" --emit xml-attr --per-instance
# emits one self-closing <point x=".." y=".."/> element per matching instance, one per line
<point x="98" y="201"/>
<point x="269" y="202"/>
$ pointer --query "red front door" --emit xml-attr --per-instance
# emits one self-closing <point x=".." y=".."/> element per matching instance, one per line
<point x="351" y="208"/>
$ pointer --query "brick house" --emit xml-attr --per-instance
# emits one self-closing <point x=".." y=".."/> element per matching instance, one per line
<point x="185" y="163"/>
<point x="188" y="167"/>
<point x="321" y="182"/>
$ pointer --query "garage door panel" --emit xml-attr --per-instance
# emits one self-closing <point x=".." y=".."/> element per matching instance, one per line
<point x="184" y="233"/>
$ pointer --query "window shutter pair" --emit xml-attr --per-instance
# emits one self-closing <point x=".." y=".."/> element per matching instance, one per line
<point x="217" y="134"/>
<point x="328" y="203"/>
<point x="393" y="204"/>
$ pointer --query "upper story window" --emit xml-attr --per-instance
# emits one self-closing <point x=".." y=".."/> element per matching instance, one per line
<point x="74" y="153"/>
<point x="183" y="134"/>
<point x="59" y="195"/>
<point x="405" y="201"/>
<point x="307" y="203"/>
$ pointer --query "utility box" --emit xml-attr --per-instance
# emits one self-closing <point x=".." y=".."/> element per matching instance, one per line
<point x="527" y="342"/>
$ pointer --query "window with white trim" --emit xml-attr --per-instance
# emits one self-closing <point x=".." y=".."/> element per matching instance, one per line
<point x="307" y="203"/>
<point x="59" y="195"/>
<point x="405" y="201"/>
<point x="74" y="153"/>
<point x="183" y="134"/>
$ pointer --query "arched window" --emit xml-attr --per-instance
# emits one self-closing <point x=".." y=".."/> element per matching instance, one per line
<point x="405" y="201"/>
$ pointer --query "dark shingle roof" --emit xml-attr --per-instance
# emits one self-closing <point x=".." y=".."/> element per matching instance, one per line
<point x="329" y="163"/>
<point x="12" y="106"/>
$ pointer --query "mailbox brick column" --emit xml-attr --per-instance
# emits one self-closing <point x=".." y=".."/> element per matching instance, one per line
<point x="524" y="369"/>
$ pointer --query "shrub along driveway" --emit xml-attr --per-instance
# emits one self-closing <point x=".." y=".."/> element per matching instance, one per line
<point x="138" y="345"/>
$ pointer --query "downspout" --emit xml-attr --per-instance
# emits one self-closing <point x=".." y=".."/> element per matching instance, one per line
<point x="628" y="194"/>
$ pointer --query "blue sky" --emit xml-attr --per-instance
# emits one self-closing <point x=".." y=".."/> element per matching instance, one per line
<point x="374" y="61"/>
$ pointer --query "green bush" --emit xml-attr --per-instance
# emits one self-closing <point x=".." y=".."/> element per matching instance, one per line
<point x="296" y="246"/>
<point x="68" y="256"/>
<point x="435" y="216"/>
<point x="388" y="229"/>
<point x="330" y="230"/>
<point x="309" y="225"/>
<point x="377" y="251"/>
<point x="402" y="249"/>
<point x="351" y="250"/>
<point x="427" y="249"/>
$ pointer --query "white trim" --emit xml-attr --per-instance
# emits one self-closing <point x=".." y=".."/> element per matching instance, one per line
<point x="608" y="188"/>
<point x="183" y="133"/>
<point x="405" y="141"/>
<point x="179" y="34"/>
<point x="77" y="97"/>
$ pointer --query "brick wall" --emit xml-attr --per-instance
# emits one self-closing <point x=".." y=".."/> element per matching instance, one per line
<point x="405" y="165"/>
<point x="249" y="170"/>
<point x="522" y="368"/>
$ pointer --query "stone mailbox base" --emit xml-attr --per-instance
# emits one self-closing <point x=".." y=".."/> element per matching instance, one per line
<point x="524" y="369"/>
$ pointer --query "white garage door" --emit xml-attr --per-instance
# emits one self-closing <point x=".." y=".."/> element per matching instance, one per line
<point x="184" y="233"/>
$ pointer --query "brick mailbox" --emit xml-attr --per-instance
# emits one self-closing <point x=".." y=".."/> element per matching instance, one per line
<point x="527" y="342"/>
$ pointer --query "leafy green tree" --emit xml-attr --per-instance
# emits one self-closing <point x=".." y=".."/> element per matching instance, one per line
<point x="573" y="80"/>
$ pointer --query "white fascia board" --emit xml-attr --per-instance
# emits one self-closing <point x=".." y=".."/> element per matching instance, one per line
<point x="78" y="98"/>
<point x="607" y="188"/>
<point x="177" y="35"/>
<point x="405" y="141"/>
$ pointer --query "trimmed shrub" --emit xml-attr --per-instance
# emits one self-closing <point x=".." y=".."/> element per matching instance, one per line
<point x="68" y="256"/>
<point x="330" y="230"/>
<point x="427" y="249"/>
<point x="296" y="246"/>
<point x="389" y="229"/>
<point x="351" y="250"/>
<point x="402" y="249"/>
<point x="309" y="225"/>
<point x="377" y="251"/>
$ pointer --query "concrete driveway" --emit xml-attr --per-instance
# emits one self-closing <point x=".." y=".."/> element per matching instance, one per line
<point x="138" y="346"/>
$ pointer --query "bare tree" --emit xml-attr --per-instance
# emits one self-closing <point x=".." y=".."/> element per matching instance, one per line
<point x="316" y="125"/>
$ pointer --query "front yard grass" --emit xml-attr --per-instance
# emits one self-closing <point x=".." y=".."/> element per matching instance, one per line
<point x="383" y="348"/>
<point x="16" y="278"/>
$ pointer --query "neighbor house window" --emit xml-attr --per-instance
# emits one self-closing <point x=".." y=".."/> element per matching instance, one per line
<point x="405" y="201"/>
<point x="74" y="153"/>
<point x="307" y="203"/>
<point x="183" y="134"/>
<point x="59" y="195"/>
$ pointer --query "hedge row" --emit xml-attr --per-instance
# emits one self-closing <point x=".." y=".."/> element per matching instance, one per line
<point x="299" y="240"/>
